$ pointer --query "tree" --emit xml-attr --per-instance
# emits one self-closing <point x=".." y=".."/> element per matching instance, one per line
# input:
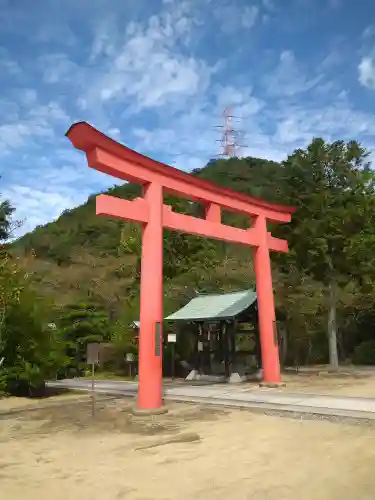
<point x="10" y="283"/>
<point x="29" y="352"/>
<point x="332" y="232"/>
<point x="7" y="224"/>
<point x="83" y="257"/>
<point x="6" y="211"/>
<point x="123" y="333"/>
<point x="78" y="325"/>
<point x="298" y="301"/>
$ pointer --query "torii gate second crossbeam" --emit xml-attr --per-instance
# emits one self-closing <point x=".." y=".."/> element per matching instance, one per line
<point x="112" y="158"/>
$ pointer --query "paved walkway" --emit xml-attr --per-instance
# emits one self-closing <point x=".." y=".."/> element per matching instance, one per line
<point x="240" y="396"/>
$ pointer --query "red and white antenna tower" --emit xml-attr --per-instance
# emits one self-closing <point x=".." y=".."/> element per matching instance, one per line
<point x="230" y="146"/>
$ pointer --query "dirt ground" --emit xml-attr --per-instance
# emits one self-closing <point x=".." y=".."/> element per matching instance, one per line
<point x="352" y="382"/>
<point x="7" y="404"/>
<point x="61" y="452"/>
<point x="355" y="383"/>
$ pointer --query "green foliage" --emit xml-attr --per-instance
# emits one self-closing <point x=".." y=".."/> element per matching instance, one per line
<point x="77" y="326"/>
<point x="123" y="334"/>
<point x="6" y="211"/>
<point x="28" y="350"/>
<point x="130" y="239"/>
<point x="83" y="257"/>
<point x="364" y="354"/>
<point x="332" y="230"/>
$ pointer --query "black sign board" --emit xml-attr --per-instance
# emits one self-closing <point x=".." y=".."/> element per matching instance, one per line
<point x="157" y="338"/>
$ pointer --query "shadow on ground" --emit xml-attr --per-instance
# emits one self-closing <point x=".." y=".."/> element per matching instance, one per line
<point x="110" y="416"/>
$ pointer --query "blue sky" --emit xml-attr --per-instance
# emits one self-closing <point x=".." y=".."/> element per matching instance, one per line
<point x="157" y="74"/>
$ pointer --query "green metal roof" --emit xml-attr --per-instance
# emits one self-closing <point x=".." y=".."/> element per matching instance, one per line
<point x="217" y="306"/>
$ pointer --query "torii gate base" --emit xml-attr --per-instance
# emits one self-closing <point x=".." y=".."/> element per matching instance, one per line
<point x="112" y="158"/>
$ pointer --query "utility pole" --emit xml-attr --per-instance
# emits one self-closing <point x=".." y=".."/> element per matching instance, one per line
<point x="231" y="138"/>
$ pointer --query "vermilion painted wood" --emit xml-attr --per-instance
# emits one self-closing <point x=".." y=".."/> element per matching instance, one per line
<point x="117" y="160"/>
<point x="114" y="159"/>
<point x="266" y="306"/>
<point x="150" y="371"/>
<point x="137" y="211"/>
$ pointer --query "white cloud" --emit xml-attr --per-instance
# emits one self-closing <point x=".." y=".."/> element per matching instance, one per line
<point x="369" y="32"/>
<point x="152" y="75"/>
<point x="8" y="66"/>
<point x="57" y="68"/>
<point x="28" y="97"/>
<point x="35" y="123"/>
<point x="42" y="192"/>
<point x="289" y="78"/>
<point x="335" y="57"/>
<point x="55" y="30"/>
<point x="147" y="81"/>
<point x="269" y="5"/>
<point x="366" y="70"/>
<point x="115" y="133"/>
<point x="233" y="17"/>
<point x="193" y="133"/>
<point x="298" y="125"/>
<point x="241" y="100"/>
<point x="9" y="109"/>
<point x="103" y="41"/>
<point x="143" y="66"/>
<point x="270" y="131"/>
<point x="147" y="69"/>
<point x="250" y="16"/>
<point x="29" y="201"/>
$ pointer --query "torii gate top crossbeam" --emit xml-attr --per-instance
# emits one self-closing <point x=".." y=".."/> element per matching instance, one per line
<point x="112" y="158"/>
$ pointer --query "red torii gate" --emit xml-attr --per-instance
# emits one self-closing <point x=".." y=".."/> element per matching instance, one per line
<point x="112" y="158"/>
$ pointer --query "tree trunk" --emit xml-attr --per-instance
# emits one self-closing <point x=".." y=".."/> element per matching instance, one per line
<point x="284" y="346"/>
<point x="332" y="327"/>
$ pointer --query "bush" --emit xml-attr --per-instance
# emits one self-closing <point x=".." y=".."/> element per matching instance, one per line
<point x="3" y="384"/>
<point x="25" y="380"/>
<point x="29" y="349"/>
<point x="364" y="354"/>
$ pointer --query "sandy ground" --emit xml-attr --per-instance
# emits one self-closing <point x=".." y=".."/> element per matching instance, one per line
<point x="356" y="384"/>
<point x="315" y="380"/>
<point x="353" y="383"/>
<point x="17" y="403"/>
<point x="190" y="453"/>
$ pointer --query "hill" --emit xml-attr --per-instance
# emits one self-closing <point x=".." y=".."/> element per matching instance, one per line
<point x="82" y="255"/>
<point x="323" y="286"/>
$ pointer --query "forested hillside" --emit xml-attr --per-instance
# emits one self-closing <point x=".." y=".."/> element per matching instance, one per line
<point x="87" y="267"/>
<point x="83" y="256"/>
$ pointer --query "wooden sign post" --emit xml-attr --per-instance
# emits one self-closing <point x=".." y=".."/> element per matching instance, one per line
<point x="130" y="359"/>
<point x="172" y="339"/>
<point x="92" y="358"/>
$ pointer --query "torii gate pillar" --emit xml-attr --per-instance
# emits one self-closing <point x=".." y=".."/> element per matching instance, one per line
<point x="114" y="159"/>
<point x="266" y="306"/>
<point x="151" y="305"/>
